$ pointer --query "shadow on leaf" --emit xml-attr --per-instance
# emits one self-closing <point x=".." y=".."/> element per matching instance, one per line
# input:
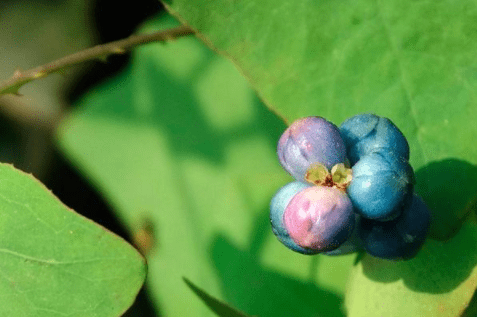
<point x="471" y="310"/>
<point x="439" y="267"/>
<point x="265" y="292"/>
<point x="250" y="286"/>
<point x="449" y="188"/>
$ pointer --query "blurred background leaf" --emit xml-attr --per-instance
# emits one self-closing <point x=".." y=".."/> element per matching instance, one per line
<point x="180" y="141"/>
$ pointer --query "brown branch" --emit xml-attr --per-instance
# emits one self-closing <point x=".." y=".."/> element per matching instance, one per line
<point x="20" y="78"/>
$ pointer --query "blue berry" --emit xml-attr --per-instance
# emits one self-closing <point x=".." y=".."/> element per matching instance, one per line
<point x="398" y="239"/>
<point x="381" y="185"/>
<point x="277" y="207"/>
<point x="319" y="218"/>
<point x="366" y="133"/>
<point x="310" y="140"/>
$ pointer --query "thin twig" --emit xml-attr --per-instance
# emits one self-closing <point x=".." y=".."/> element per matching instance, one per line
<point x="20" y="78"/>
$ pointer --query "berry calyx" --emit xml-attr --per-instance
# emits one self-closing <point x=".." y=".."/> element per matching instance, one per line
<point x="340" y="176"/>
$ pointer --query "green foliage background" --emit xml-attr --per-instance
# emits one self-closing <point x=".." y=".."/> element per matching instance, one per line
<point x="184" y="140"/>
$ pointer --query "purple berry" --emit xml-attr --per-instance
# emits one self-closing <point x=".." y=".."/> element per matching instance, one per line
<point x="353" y="244"/>
<point x="310" y="140"/>
<point x="319" y="218"/>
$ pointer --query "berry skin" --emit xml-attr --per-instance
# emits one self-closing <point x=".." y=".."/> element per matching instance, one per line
<point x="398" y="239"/>
<point x="310" y="140"/>
<point x="319" y="218"/>
<point x="366" y="133"/>
<point x="353" y="244"/>
<point x="381" y="185"/>
<point x="277" y="207"/>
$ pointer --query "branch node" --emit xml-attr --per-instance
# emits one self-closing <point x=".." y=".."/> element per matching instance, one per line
<point x="39" y="75"/>
<point x="117" y="50"/>
<point x="17" y="73"/>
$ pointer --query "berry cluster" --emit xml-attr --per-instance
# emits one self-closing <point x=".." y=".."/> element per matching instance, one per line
<point x="353" y="190"/>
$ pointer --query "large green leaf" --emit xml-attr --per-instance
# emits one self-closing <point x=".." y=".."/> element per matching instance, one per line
<point x="180" y="141"/>
<point x="412" y="61"/>
<point x="54" y="262"/>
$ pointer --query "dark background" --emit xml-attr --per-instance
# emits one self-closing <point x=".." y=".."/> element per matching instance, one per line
<point x="21" y="144"/>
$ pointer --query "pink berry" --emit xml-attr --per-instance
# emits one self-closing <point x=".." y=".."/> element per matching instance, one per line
<point x="319" y="218"/>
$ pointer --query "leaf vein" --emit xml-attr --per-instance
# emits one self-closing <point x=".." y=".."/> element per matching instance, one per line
<point x="405" y="85"/>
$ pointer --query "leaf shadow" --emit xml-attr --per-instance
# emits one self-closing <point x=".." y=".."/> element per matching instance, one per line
<point x="185" y="122"/>
<point x="440" y="266"/>
<point x="449" y="189"/>
<point x="471" y="310"/>
<point x="177" y="111"/>
<point x="246" y="283"/>
<point x="265" y="292"/>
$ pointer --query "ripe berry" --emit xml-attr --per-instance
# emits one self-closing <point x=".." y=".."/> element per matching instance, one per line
<point x="310" y="140"/>
<point x="381" y="184"/>
<point x="319" y="218"/>
<point x="334" y="210"/>
<point x="353" y="244"/>
<point x="366" y="133"/>
<point x="277" y="207"/>
<point x="398" y="239"/>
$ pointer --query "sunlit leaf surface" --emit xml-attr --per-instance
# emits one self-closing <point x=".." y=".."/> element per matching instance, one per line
<point x="180" y="141"/>
<point x="54" y="262"/>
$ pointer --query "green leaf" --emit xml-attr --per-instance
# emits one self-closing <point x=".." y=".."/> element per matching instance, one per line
<point x="471" y="310"/>
<point x="450" y="192"/>
<point x="214" y="304"/>
<point x="54" y="262"/>
<point x="181" y="139"/>
<point x="411" y="61"/>
<point x="440" y="281"/>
